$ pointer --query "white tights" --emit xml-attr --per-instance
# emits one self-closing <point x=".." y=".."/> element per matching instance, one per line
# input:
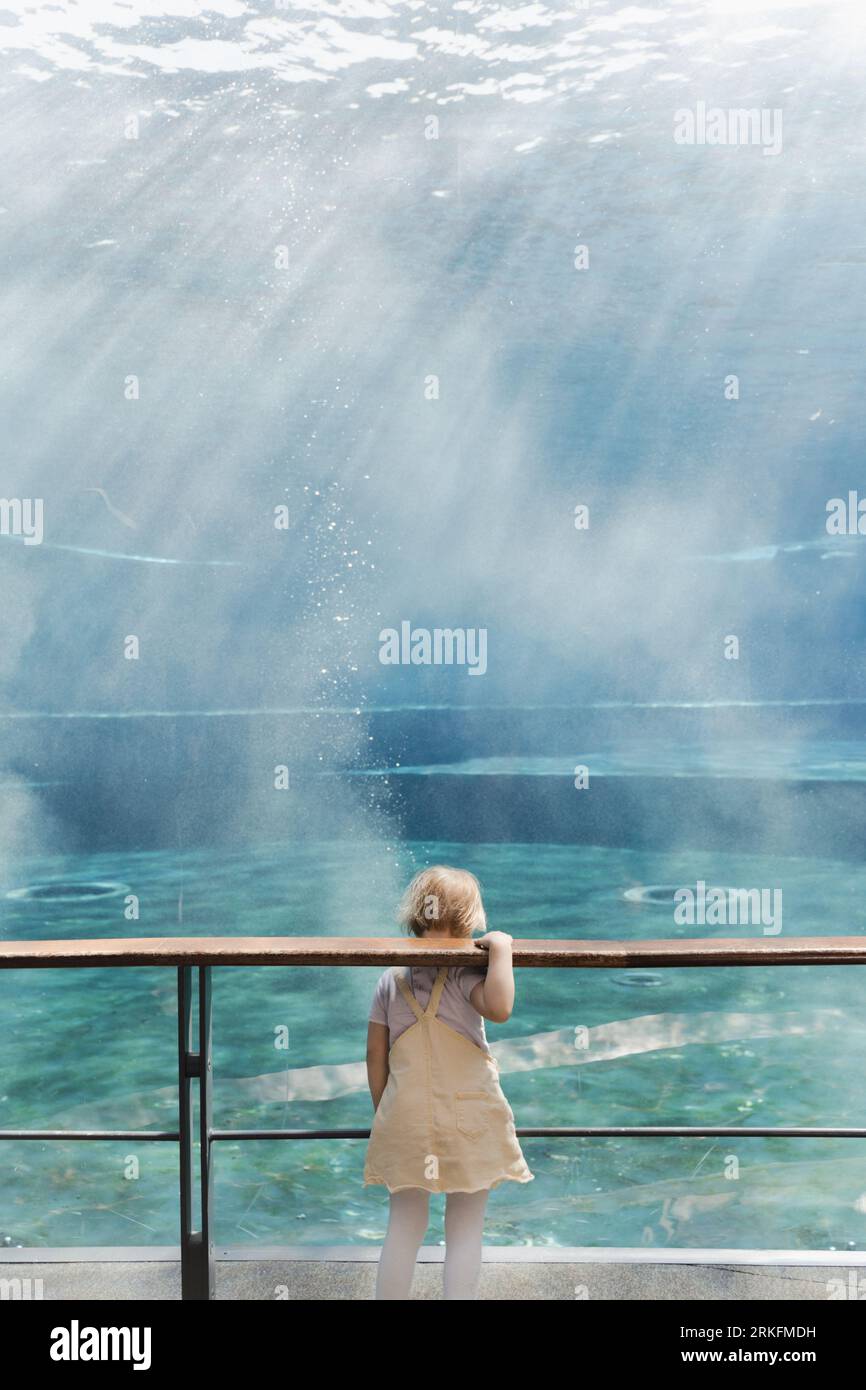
<point x="407" y="1225"/>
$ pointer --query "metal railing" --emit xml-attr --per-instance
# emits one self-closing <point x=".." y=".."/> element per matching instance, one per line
<point x="194" y="1053"/>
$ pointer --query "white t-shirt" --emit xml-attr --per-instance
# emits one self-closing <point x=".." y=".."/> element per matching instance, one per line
<point x="389" y="1006"/>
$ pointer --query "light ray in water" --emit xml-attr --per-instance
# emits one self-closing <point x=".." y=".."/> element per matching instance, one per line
<point x="828" y="546"/>
<point x="137" y="559"/>
<point x="608" y="1042"/>
<point x="372" y="708"/>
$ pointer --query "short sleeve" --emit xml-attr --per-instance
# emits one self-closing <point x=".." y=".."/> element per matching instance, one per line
<point x="468" y="978"/>
<point x="378" y="1009"/>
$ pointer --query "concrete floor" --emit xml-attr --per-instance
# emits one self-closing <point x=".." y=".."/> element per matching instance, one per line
<point x="512" y="1280"/>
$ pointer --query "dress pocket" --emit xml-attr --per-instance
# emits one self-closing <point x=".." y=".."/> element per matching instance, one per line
<point x="470" y="1114"/>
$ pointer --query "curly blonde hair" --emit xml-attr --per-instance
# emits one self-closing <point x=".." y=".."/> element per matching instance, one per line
<point x="443" y="897"/>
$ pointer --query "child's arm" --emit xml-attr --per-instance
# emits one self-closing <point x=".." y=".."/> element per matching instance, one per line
<point x="377" y="1060"/>
<point x="493" y="997"/>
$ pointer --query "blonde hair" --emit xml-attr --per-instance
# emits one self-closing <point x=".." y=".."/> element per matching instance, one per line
<point x="443" y="897"/>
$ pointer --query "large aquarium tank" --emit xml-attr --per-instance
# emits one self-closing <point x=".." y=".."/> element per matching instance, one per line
<point x="433" y="433"/>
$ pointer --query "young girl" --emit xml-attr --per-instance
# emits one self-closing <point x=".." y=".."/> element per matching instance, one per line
<point x="442" y="1123"/>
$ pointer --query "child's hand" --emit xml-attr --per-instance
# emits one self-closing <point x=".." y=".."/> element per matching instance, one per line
<point x="501" y="939"/>
<point x="495" y="997"/>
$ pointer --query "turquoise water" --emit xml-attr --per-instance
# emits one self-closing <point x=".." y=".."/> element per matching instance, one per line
<point x="783" y="1046"/>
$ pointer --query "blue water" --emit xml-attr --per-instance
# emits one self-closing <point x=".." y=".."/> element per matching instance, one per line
<point x="325" y="259"/>
<point x="257" y="227"/>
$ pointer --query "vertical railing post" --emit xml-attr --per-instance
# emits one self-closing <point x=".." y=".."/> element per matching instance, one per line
<point x="206" y="1126"/>
<point x="196" y="1246"/>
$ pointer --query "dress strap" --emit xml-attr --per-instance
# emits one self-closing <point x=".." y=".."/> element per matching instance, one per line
<point x="436" y="992"/>
<point x="409" y="996"/>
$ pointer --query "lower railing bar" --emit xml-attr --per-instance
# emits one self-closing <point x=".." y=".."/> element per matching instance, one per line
<point x="583" y="1132"/>
<point x="570" y="1132"/>
<point x="160" y="1136"/>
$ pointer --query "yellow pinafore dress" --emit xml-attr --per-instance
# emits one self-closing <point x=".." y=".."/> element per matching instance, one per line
<point x="443" y="1123"/>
